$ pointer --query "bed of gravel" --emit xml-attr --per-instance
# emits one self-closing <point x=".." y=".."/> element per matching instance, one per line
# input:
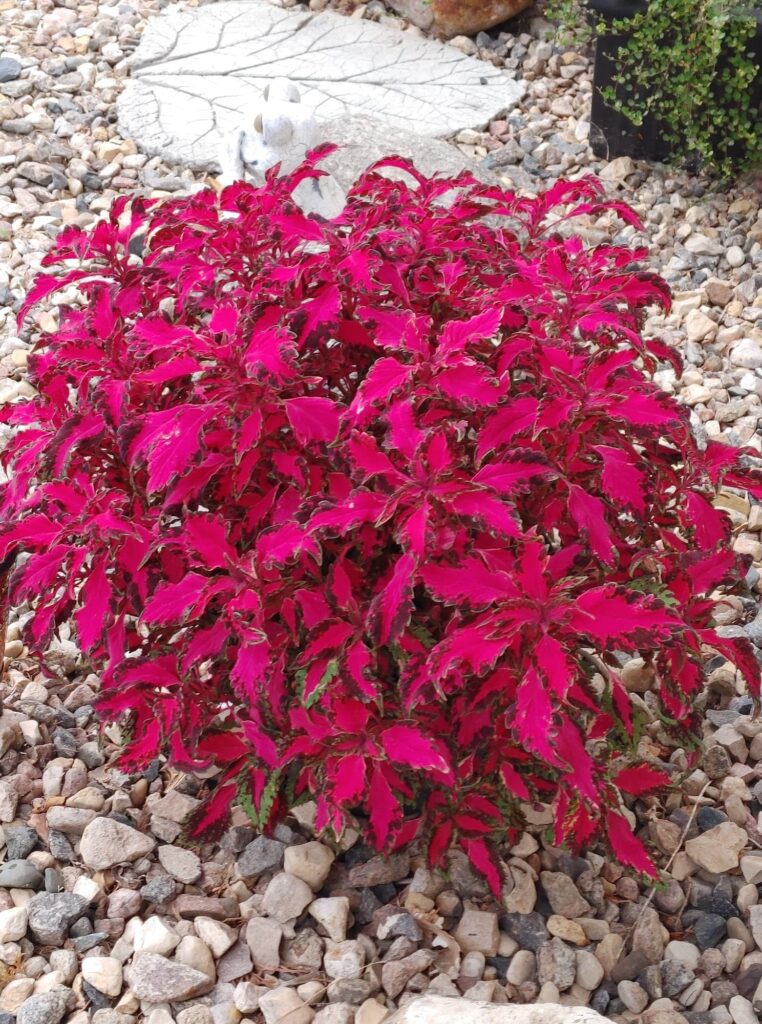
<point x="105" y="917"/>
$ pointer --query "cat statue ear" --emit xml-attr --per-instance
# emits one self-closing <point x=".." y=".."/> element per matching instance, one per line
<point x="282" y="131"/>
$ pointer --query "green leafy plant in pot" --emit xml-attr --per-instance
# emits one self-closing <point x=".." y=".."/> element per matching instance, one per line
<point x="675" y="79"/>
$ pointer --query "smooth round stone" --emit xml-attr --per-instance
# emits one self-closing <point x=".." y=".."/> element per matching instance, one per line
<point x="735" y="256"/>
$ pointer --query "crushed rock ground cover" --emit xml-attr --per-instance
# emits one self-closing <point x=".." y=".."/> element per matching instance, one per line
<point x="105" y="917"/>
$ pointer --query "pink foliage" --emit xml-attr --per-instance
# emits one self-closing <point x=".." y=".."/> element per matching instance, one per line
<point x="373" y="509"/>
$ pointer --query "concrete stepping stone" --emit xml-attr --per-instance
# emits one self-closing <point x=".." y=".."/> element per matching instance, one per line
<point x="198" y="74"/>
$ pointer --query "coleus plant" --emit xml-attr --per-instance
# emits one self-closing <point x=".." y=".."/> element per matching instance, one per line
<point x="372" y="510"/>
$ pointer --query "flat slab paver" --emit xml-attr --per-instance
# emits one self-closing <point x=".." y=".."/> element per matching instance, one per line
<point x="198" y="74"/>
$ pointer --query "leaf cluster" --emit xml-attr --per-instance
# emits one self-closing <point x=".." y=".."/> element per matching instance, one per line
<point x="688" y="65"/>
<point x="372" y="509"/>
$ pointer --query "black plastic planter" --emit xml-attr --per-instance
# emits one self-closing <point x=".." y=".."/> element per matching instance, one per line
<point x="611" y="133"/>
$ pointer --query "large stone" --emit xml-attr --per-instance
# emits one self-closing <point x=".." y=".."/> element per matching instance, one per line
<point x="106" y="843"/>
<point x="477" y="931"/>
<point x="183" y="865"/>
<point x="261" y="855"/>
<point x="45" y="1008"/>
<point x="51" y="913"/>
<point x="104" y="973"/>
<point x="332" y="912"/>
<point x="158" y="980"/>
<point x="450" y="18"/>
<point x="283" y="1006"/>
<point x="311" y="862"/>
<point x="264" y="937"/>
<point x="441" y="1009"/>
<point x="563" y="895"/>
<point x="718" y="849"/>
<point x="198" y="74"/>
<point x="286" y="897"/>
<point x="20" y="874"/>
<point x="13" y="924"/>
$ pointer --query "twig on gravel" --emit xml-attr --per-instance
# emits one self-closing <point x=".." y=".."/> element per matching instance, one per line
<point x="667" y="866"/>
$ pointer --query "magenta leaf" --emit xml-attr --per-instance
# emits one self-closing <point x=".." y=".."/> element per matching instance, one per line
<point x="313" y="419"/>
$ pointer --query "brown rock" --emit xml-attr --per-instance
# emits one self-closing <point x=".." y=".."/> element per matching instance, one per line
<point x="563" y="895"/>
<point x="478" y="931"/>
<point x="448" y="18"/>
<point x="380" y="870"/>
<point x="189" y="906"/>
<point x="647" y="936"/>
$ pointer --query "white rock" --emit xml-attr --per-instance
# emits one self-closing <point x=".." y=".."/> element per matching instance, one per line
<point x="718" y="849"/>
<point x="747" y="353"/>
<point x="106" y="843"/>
<point x="155" y="936"/>
<point x="246" y="996"/>
<point x="696" y="394"/>
<point x="88" y="888"/>
<point x="15" y="993"/>
<point x="309" y="861"/>
<point x="196" y="954"/>
<point x="183" y="865"/>
<point x="683" y="952"/>
<point x="104" y="973"/>
<point x="618" y="170"/>
<point x="742" y="1011"/>
<point x="441" y="1009"/>
<point x="13" y="924"/>
<point x="286" y="897"/>
<point x="332" y="912"/>
<point x="699" y="326"/>
<point x="589" y="971"/>
<point x="155" y="979"/>
<point x="263" y="937"/>
<point x="336" y="1013"/>
<point x="217" y="935"/>
<point x="735" y="256"/>
<point x="371" y="1012"/>
<point x="283" y="1006"/>
<point x="701" y="245"/>
<point x="344" y="959"/>
<point x="751" y="868"/>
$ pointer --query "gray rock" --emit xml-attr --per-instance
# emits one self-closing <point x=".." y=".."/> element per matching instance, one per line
<point x="51" y="914"/>
<point x="260" y="856"/>
<point x="556" y="963"/>
<point x="89" y="941"/>
<point x="60" y="846"/>
<point x="527" y="929"/>
<point x="236" y="963"/>
<point x="46" y="1008"/>
<point x="20" y="874"/>
<point x="10" y="69"/>
<point x="160" y="889"/>
<point x="20" y="840"/>
<point x="675" y="977"/>
<point x="380" y="870"/>
<point x="157" y="980"/>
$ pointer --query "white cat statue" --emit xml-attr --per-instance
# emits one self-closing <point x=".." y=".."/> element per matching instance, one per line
<point x="282" y="131"/>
